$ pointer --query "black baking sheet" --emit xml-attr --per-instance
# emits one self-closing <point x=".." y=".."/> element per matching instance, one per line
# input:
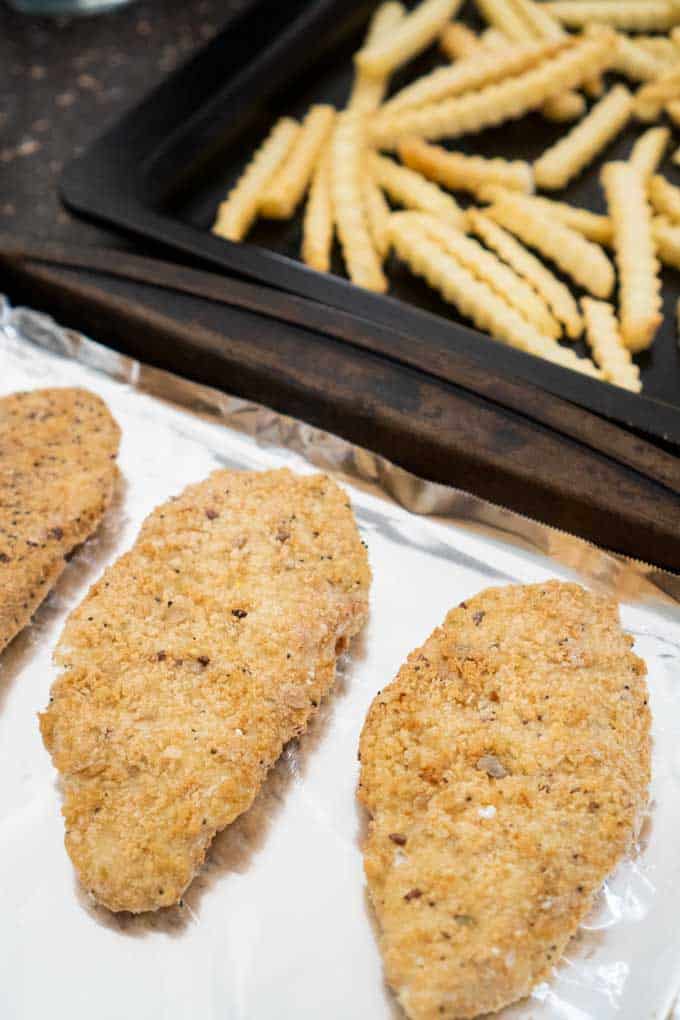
<point x="163" y="170"/>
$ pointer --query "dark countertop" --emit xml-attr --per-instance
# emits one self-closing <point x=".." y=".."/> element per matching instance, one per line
<point x="64" y="81"/>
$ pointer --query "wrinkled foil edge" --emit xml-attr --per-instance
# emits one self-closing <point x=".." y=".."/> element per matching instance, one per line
<point x="628" y="580"/>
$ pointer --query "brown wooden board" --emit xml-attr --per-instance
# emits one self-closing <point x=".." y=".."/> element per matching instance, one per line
<point x="161" y="172"/>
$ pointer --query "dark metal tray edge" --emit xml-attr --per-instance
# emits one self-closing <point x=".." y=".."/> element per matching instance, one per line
<point x="106" y="183"/>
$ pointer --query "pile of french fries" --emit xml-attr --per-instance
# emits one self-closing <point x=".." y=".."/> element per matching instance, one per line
<point x="494" y="257"/>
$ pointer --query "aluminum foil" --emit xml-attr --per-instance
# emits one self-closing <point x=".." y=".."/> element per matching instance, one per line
<point x="278" y="923"/>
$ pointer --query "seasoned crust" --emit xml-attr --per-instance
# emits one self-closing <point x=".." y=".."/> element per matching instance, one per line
<point x="57" y="477"/>
<point x="190" y="664"/>
<point x="505" y="771"/>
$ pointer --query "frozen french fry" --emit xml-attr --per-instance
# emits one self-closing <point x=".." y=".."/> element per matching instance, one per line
<point x="553" y="291"/>
<point x="475" y="299"/>
<point x="565" y="107"/>
<point x="592" y="225"/>
<point x="628" y="15"/>
<point x="665" y="197"/>
<point x="347" y="166"/>
<point x="411" y="189"/>
<point x="500" y="102"/>
<point x="503" y="15"/>
<point x="457" y="41"/>
<point x="582" y="260"/>
<point x="460" y="172"/>
<point x="238" y="211"/>
<point x="662" y="47"/>
<point x="651" y="97"/>
<point x="410" y="37"/>
<point x="594" y="87"/>
<point x="648" y="150"/>
<point x="291" y="179"/>
<point x="377" y="213"/>
<point x="634" y="245"/>
<point x="609" y="351"/>
<point x="542" y="24"/>
<point x="529" y="21"/>
<point x="317" y="226"/>
<point x="672" y="108"/>
<point x="368" y="90"/>
<point x="493" y="39"/>
<point x="497" y="274"/>
<point x="667" y="240"/>
<point x="575" y="150"/>
<point x="474" y="72"/>
<point x="636" y="62"/>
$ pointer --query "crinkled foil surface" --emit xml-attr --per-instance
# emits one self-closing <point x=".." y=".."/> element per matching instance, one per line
<point x="278" y="925"/>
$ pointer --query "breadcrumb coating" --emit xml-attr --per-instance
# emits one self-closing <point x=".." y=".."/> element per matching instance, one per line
<point x="505" y="771"/>
<point x="190" y="664"/>
<point x="57" y="477"/>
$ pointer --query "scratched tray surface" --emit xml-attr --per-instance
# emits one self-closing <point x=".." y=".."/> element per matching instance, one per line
<point x="164" y="169"/>
<point x="278" y="924"/>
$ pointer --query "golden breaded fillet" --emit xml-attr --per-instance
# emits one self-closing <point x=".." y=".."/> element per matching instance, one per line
<point x="57" y="477"/>
<point x="190" y="664"/>
<point x="505" y="771"/>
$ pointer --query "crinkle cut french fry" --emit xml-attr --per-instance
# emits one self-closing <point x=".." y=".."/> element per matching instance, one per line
<point x="592" y="225"/>
<point x="491" y="270"/>
<point x="660" y="46"/>
<point x="651" y="97"/>
<point x="675" y="158"/>
<point x="672" y="108"/>
<point x="458" y="41"/>
<point x="408" y="188"/>
<point x="368" y="90"/>
<point x="497" y="103"/>
<point x="609" y="351"/>
<point x="665" y="197"/>
<point x="583" y="261"/>
<point x="475" y="299"/>
<point x="568" y="105"/>
<point x="474" y="72"/>
<point x="289" y="183"/>
<point x="493" y="39"/>
<point x="236" y="214"/>
<point x="639" y="284"/>
<point x="347" y="167"/>
<point x="460" y="172"/>
<point x="501" y="14"/>
<point x="574" y="151"/>
<point x="378" y="214"/>
<point x="594" y="87"/>
<point x="667" y="239"/>
<point x="543" y="25"/>
<point x="648" y="150"/>
<point x="628" y="15"/>
<point x="552" y="290"/>
<point x="317" y="226"/>
<point x="414" y="34"/>
<point x="635" y="62"/>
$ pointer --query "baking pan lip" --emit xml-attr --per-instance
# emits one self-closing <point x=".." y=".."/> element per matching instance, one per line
<point x="108" y="183"/>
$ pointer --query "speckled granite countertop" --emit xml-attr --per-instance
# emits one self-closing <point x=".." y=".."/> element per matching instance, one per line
<point x="64" y="81"/>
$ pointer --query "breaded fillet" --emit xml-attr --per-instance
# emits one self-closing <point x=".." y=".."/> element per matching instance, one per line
<point x="57" y="477"/>
<point x="190" y="664"/>
<point x="505" y="771"/>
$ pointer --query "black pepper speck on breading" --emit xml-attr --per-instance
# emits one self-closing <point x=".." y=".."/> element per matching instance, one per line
<point x="57" y="477"/>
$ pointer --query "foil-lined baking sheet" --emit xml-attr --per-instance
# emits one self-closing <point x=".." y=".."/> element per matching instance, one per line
<point x="278" y="925"/>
